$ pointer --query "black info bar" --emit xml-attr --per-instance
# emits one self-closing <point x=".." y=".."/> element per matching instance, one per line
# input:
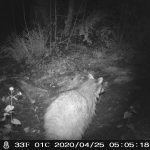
<point x="96" y="144"/>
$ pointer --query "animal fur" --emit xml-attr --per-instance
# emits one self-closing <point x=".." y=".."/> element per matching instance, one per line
<point x="70" y="113"/>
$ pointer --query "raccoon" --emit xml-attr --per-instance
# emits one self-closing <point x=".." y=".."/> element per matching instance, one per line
<point x="71" y="112"/>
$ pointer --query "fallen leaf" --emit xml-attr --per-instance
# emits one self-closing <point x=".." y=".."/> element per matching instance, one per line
<point x="127" y="115"/>
<point x="27" y="129"/>
<point x="15" y="121"/>
<point x="9" y="108"/>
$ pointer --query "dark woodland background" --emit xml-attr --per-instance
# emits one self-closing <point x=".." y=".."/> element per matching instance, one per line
<point x="48" y="47"/>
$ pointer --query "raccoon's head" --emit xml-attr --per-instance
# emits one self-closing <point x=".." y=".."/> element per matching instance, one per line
<point x="98" y="85"/>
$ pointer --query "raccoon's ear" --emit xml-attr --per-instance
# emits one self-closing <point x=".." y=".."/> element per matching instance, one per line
<point x="90" y="76"/>
<point x="100" y="80"/>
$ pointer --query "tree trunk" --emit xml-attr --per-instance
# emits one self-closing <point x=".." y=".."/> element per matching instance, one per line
<point x="68" y="21"/>
<point x="40" y="12"/>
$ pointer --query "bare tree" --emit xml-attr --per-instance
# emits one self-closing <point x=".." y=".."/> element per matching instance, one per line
<point x="68" y="21"/>
<point x="40" y="11"/>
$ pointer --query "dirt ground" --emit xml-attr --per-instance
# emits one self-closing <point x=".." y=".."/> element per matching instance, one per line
<point x="122" y="112"/>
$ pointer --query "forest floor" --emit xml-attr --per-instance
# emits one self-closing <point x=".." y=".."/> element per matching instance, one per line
<point x="122" y="113"/>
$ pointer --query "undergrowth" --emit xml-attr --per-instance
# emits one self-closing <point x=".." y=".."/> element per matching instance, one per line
<point x="40" y="55"/>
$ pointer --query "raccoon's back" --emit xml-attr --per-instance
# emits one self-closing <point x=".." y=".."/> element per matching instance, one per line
<point x="67" y="117"/>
